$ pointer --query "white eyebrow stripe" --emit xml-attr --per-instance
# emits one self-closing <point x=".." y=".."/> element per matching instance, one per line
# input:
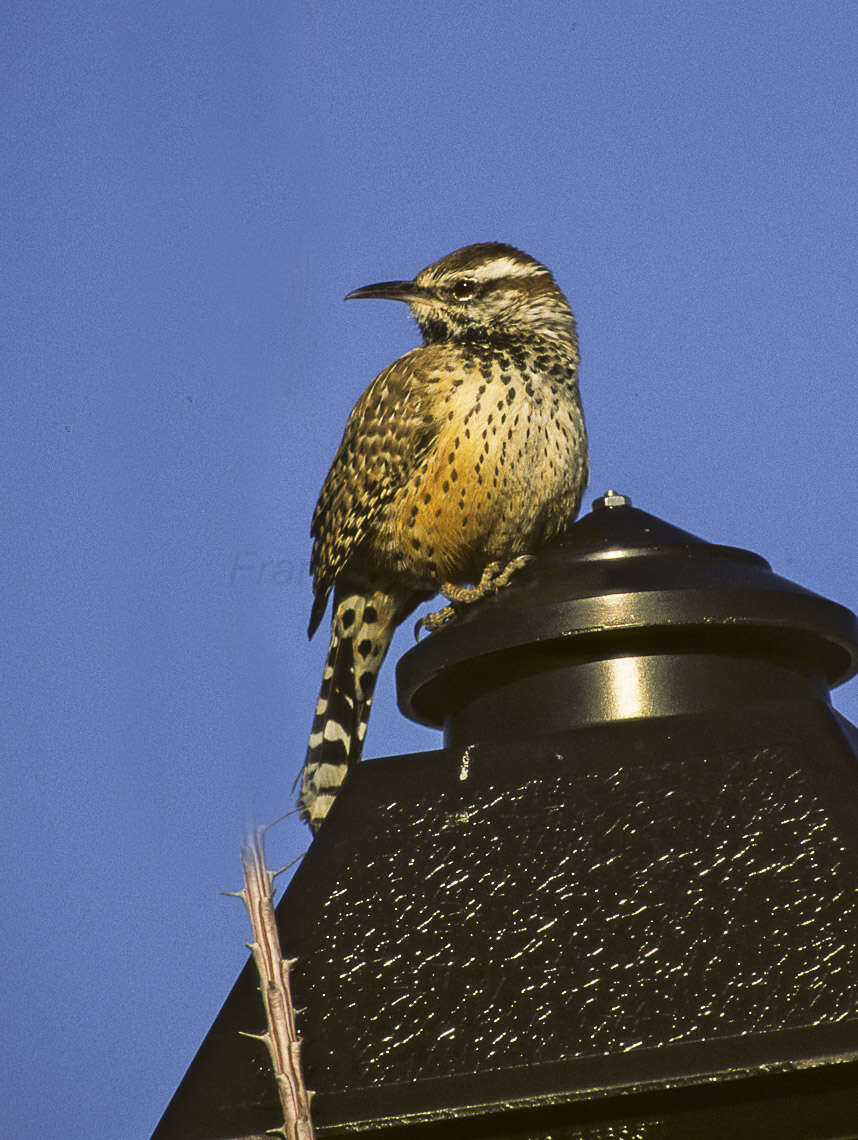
<point x="507" y="267"/>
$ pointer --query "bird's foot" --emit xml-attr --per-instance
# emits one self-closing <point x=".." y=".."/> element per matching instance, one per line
<point x="495" y="576"/>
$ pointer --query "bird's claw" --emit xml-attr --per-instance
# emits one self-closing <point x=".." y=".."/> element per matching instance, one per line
<point x="495" y="576"/>
<point x="433" y="621"/>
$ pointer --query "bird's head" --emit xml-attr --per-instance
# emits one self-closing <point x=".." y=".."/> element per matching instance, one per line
<point x="486" y="292"/>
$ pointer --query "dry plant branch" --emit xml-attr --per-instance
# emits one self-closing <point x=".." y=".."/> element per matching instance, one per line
<point x="281" y="1037"/>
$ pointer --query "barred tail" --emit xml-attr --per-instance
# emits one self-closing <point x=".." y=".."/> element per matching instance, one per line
<point x="361" y="629"/>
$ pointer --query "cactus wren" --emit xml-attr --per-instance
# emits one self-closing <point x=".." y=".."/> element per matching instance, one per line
<point x="461" y="457"/>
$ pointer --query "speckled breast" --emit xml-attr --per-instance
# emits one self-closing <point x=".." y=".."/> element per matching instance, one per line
<point x="508" y="468"/>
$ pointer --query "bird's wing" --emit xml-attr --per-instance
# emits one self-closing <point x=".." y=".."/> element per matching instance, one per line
<point x="388" y="432"/>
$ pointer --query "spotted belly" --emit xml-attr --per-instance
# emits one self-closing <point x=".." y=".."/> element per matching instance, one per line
<point x="507" y="472"/>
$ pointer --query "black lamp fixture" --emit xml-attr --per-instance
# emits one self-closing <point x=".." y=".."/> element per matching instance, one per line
<point x="621" y="901"/>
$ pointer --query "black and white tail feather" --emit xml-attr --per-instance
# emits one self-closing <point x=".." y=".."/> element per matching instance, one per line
<point x="362" y="627"/>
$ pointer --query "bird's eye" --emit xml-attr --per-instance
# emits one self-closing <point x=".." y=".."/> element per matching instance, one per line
<point x="463" y="290"/>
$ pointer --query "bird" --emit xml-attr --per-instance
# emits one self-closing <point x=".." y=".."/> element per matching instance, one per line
<point x="460" y="460"/>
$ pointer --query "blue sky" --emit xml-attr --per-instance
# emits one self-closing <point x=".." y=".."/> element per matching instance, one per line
<point x="190" y="189"/>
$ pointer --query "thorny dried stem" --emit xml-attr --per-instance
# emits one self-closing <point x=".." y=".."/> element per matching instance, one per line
<point x="281" y="1037"/>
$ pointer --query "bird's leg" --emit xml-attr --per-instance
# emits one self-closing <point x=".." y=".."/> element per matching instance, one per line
<point x="495" y="576"/>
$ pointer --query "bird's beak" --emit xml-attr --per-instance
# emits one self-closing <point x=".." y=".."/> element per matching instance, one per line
<point x="406" y="291"/>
